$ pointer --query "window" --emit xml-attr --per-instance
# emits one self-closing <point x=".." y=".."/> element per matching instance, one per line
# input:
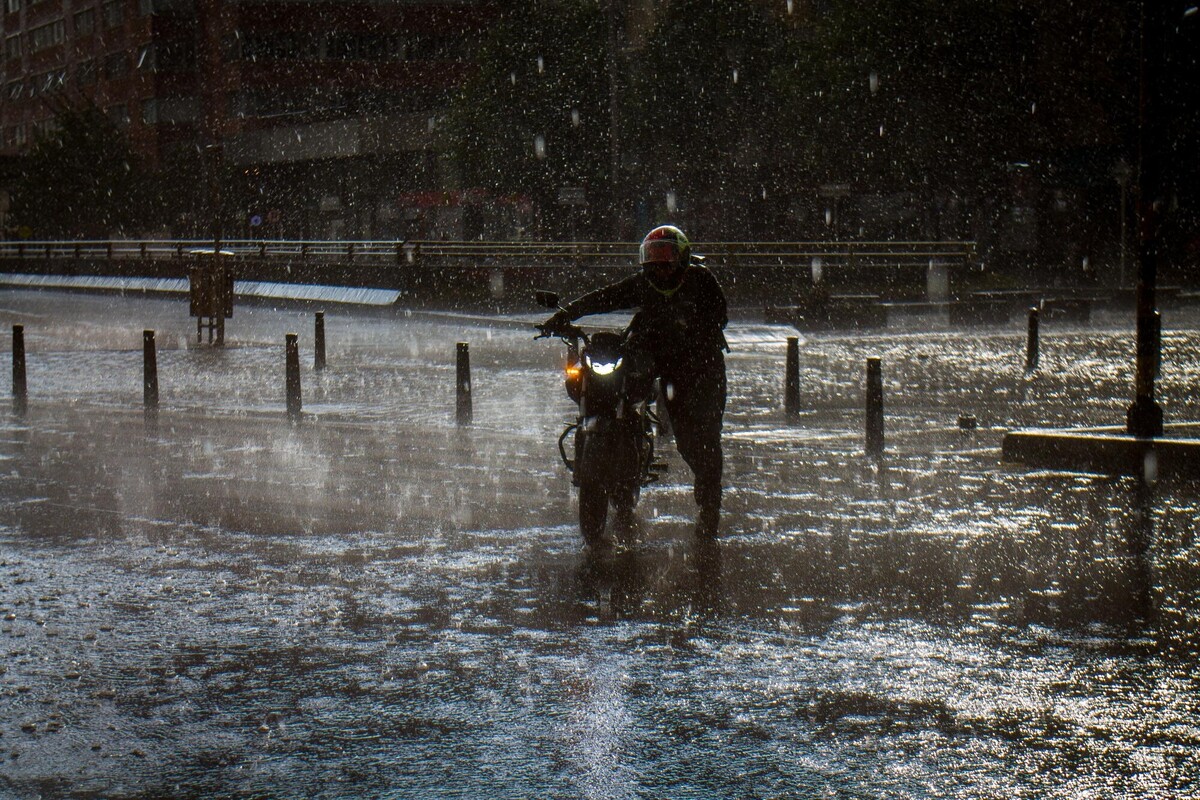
<point x="178" y="109"/>
<point x="85" y="73"/>
<point x="114" y="13"/>
<point x="12" y="6"/>
<point x="52" y="81"/>
<point x="281" y="46"/>
<point x="175" y="56"/>
<point x="115" y="66"/>
<point x="362" y="47"/>
<point x="12" y="46"/>
<point x="119" y="115"/>
<point x="45" y="128"/>
<point x="85" y="22"/>
<point x="177" y="8"/>
<point x="47" y="36"/>
<point x="150" y="111"/>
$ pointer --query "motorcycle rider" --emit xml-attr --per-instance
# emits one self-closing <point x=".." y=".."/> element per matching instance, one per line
<point x="680" y="327"/>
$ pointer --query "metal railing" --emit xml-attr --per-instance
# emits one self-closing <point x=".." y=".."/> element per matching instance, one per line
<point x="433" y="253"/>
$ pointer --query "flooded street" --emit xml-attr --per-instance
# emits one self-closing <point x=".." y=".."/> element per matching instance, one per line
<point x="378" y="603"/>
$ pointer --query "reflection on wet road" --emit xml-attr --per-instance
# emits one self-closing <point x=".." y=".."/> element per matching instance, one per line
<point x="377" y="603"/>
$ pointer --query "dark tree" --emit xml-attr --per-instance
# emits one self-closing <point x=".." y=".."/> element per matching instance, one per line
<point x="535" y="119"/>
<point x="81" y="180"/>
<point x="705" y="116"/>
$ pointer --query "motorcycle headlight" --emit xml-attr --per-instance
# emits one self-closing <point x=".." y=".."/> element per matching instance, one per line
<point x="604" y="367"/>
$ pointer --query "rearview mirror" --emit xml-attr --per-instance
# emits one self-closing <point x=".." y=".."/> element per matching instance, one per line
<point x="546" y="299"/>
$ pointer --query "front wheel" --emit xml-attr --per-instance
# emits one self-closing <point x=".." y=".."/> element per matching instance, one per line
<point x="593" y="510"/>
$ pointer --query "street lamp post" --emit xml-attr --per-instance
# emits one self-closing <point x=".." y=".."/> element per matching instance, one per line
<point x="1123" y="172"/>
<point x="1145" y="416"/>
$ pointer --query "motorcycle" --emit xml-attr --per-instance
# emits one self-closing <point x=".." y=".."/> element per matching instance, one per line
<point x="614" y="430"/>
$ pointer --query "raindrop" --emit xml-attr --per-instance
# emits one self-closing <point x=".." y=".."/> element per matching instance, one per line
<point x="764" y="193"/>
<point x="670" y="391"/>
<point x="512" y="77"/>
<point x="818" y="266"/>
<point x="539" y="146"/>
<point x="672" y="203"/>
<point x="541" y="66"/>
<point x="873" y="82"/>
<point x="829" y="216"/>
<point x="575" y="117"/>
<point x="1033" y="107"/>
<point x="881" y="130"/>
<point x="735" y="75"/>
<point x="790" y="5"/>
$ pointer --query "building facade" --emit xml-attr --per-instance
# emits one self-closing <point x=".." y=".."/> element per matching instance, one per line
<point x="304" y="118"/>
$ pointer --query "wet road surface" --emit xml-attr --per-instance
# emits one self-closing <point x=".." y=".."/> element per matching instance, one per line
<point x="378" y="603"/>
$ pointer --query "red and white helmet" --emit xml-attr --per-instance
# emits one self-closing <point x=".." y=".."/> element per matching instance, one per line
<point x="665" y="255"/>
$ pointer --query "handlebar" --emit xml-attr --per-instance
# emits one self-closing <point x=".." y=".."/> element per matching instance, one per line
<point x="566" y="331"/>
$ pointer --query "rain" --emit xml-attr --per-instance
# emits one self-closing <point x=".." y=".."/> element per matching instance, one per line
<point x="355" y="568"/>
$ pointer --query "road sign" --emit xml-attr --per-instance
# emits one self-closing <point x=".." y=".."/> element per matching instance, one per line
<point x="572" y="196"/>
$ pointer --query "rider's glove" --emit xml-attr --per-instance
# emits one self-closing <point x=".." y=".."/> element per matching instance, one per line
<point x="557" y="322"/>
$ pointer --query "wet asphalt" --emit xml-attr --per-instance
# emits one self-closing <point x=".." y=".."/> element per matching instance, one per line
<point x="376" y="602"/>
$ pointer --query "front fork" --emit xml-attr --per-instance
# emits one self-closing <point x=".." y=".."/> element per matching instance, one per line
<point x="647" y="470"/>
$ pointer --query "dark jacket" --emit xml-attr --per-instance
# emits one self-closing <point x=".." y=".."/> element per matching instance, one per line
<point x="683" y="330"/>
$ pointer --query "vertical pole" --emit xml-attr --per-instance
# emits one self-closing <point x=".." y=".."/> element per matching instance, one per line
<point x="319" y="342"/>
<point x="874" y="444"/>
<point x="293" y="377"/>
<point x="791" y="381"/>
<point x="463" y="385"/>
<point x="1031" y="341"/>
<point x="20" y="389"/>
<point x="1145" y="416"/>
<point x="149" y="373"/>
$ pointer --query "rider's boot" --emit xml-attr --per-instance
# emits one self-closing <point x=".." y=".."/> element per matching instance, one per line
<point x="708" y="522"/>
<point x="708" y="498"/>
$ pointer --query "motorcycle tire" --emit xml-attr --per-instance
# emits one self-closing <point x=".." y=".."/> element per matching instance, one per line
<point x="593" y="511"/>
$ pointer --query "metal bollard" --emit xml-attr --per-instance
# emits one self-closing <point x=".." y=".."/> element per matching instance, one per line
<point x="791" y="381"/>
<point x="149" y="373"/>
<point x="874" y="444"/>
<point x="463" y="385"/>
<point x="1031" y="343"/>
<point x="19" y="387"/>
<point x="319" y="342"/>
<point x="293" y="377"/>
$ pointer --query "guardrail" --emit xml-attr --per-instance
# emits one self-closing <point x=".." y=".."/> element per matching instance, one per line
<point x="502" y="254"/>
